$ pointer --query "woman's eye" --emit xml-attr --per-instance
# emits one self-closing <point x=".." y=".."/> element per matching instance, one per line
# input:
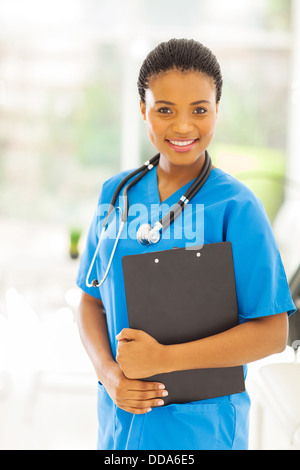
<point x="164" y="110"/>
<point x="200" y="110"/>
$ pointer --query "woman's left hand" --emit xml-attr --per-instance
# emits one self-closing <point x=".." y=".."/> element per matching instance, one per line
<point x="138" y="354"/>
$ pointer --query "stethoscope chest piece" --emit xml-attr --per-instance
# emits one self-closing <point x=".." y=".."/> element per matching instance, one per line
<point x="148" y="235"/>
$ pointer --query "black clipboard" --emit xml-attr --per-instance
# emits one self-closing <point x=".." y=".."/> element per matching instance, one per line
<point x="182" y="295"/>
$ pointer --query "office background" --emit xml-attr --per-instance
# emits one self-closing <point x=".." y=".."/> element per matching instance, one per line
<point x="69" y="119"/>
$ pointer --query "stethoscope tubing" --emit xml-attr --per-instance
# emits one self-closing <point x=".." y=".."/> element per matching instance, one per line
<point x="147" y="166"/>
<point x="144" y="169"/>
<point x="169" y="218"/>
<point x="165" y="222"/>
<point x="95" y="283"/>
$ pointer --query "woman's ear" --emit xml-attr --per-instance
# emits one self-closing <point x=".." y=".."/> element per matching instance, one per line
<point x="143" y="109"/>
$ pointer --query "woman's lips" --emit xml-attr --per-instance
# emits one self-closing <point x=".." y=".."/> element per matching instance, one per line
<point x="182" y="145"/>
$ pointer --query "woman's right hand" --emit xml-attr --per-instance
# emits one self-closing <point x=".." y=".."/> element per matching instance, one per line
<point x="134" y="396"/>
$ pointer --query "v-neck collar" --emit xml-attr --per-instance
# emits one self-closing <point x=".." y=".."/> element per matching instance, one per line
<point x="153" y="191"/>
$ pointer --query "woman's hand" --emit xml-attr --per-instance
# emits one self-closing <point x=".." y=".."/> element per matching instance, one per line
<point x="138" y="354"/>
<point x="134" y="396"/>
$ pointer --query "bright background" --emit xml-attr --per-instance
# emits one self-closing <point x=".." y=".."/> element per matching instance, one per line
<point x="69" y="119"/>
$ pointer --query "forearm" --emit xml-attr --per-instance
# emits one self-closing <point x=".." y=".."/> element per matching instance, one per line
<point x="240" y="345"/>
<point x="92" y="326"/>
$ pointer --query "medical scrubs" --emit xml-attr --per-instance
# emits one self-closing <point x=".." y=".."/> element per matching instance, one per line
<point x="223" y="210"/>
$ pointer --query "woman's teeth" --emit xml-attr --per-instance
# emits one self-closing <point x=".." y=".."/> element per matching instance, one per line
<point x="181" y="143"/>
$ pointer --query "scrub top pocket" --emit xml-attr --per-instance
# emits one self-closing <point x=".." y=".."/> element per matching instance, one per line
<point x="192" y="426"/>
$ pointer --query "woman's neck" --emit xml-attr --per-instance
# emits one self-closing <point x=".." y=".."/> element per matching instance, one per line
<point x="178" y="174"/>
<point x="171" y="177"/>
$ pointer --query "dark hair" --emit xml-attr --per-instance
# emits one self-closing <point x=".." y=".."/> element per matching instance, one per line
<point x="180" y="54"/>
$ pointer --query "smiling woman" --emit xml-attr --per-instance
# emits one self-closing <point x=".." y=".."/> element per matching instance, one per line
<point x="180" y="86"/>
<point x="181" y="119"/>
<point x="181" y="129"/>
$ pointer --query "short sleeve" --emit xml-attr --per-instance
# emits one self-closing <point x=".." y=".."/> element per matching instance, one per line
<point x="87" y="257"/>
<point x="261" y="283"/>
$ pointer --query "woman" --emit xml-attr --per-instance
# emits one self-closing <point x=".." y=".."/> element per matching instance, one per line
<point x="180" y="86"/>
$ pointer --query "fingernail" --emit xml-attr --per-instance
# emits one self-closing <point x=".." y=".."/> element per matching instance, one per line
<point x="160" y="402"/>
<point x="164" y="393"/>
<point x="161" y="386"/>
<point x="149" y="409"/>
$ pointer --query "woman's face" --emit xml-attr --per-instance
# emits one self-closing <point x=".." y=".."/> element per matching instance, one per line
<point x="180" y="112"/>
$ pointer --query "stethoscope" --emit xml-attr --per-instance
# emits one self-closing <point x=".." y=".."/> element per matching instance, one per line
<point x="146" y="234"/>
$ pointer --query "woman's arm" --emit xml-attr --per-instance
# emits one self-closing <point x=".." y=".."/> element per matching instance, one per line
<point x="134" y="396"/>
<point x="140" y="355"/>
<point x="92" y="326"/>
<point x="240" y="345"/>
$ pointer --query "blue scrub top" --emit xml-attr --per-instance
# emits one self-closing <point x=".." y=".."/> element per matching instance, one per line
<point x="223" y="210"/>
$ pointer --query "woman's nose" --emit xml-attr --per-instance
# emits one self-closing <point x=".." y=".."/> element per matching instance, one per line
<point x="182" y="125"/>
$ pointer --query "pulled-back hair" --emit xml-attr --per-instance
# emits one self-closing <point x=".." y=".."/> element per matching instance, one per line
<point x="183" y="55"/>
